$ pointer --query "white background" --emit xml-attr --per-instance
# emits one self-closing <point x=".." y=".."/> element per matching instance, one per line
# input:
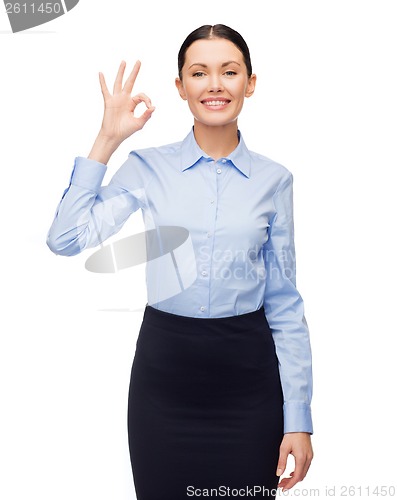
<point x="325" y="106"/>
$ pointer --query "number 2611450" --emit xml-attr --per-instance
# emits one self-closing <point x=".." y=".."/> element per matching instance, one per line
<point x="31" y="8"/>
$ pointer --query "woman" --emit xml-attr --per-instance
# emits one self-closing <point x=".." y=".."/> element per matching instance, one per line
<point x="221" y="381"/>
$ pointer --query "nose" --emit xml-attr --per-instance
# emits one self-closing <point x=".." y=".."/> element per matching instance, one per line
<point x="215" y="84"/>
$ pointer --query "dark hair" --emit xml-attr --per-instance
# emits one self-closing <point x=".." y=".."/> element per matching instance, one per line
<point x="207" y="32"/>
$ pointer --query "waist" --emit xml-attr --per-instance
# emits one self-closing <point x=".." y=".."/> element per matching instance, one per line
<point x="167" y="320"/>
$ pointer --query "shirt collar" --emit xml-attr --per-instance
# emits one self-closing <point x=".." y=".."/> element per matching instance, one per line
<point x="191" y="153"/>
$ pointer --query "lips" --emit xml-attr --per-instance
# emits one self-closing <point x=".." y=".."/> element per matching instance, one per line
<point x="212" y="103"/>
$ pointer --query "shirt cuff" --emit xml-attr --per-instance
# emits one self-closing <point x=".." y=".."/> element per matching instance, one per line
<point x="88" y="173"/>
<point x="297" y="418"/>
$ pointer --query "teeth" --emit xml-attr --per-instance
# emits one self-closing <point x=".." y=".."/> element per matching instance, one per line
<point x="215" y="103"/>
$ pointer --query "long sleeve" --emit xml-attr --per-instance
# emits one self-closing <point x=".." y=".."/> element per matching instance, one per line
<point x="174" y="185"/>
<point x="88" y="213"/>
<point x="285" y="313"/>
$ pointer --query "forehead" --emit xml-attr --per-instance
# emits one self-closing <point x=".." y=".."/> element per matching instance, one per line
<point x="213" y="51"/>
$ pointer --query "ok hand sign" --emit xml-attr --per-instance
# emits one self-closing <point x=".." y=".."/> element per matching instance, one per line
<point x="119" y="121"/>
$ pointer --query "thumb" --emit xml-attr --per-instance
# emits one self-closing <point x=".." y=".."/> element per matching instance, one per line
<point x="282" y="461"/>
<point x="146" y="115"/>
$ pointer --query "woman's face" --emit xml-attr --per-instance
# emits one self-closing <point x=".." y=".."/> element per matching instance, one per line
<point x="215" y="81"/>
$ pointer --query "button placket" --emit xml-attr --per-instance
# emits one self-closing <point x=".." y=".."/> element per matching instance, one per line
<point x="215" y="169"/>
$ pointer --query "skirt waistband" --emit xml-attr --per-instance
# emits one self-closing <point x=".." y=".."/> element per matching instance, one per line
<point x="176" y="322"/>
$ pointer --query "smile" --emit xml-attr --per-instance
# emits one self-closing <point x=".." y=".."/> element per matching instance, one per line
<point x="215" y="103"/>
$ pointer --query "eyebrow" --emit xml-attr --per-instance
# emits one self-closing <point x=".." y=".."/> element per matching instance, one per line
<point x="223" y="64"/>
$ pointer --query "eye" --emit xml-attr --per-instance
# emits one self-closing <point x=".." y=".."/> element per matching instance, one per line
<point x="230" y="73"/>
<point x="198" y="73"/>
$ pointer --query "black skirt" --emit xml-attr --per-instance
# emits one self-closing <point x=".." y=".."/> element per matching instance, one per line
<point x="205" y="407"/>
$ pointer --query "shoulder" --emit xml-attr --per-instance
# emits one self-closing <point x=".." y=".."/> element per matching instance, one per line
<point x="267" y="169"/>
<point x="265" y="163"/>
<point x="155" y="151"/>
<point x="141" y="164"/>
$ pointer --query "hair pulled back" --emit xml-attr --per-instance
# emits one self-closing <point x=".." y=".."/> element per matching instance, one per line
<point x="207" y="32"/>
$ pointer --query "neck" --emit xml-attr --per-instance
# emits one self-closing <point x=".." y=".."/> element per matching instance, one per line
<point x="216" y="141"/>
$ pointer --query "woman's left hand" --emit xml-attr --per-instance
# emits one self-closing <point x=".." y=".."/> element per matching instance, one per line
<point x="299" y="445"/>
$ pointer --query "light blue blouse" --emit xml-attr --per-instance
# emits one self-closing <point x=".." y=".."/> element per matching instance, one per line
<point x="238" y="212"/>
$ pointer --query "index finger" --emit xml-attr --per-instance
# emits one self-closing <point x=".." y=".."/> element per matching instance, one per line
<point x="298" y="474"/>
<point x="132" y="77"/>
<point x="119" y="78"/>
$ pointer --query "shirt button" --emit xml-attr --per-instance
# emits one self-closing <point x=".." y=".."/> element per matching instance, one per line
<point x="218" y="170"/>
<point x="212" y="201"/>
<point x="204" y="273"/>
<point x="202" y="308"/>
<point x="224" y="160"/>
<point x="209" y="235"/>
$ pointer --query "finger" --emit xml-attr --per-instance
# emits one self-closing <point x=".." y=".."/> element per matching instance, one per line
<point x="283" y="483"/>
<point x="307" y="465"/>
<point x="137" y="99"/>
<point x="129" y="84"/>
<point x="104" y="89"/>
<point x="119" y="78"/>
<point x="298" y="473"/>
<point x="145" y="116"/>
<point x="282" y="460"/>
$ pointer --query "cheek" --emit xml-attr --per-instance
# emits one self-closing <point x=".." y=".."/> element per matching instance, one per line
<point x="194" y="89"/>
<point x="239" y="90"/>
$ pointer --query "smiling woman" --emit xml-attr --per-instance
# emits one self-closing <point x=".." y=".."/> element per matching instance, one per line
<point x="221" y="380"/>
<point x="215" y="78"/>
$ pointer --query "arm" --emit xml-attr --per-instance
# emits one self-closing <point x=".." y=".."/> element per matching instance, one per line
<point x="88" y="213"/>
<point x="285" y="314"/>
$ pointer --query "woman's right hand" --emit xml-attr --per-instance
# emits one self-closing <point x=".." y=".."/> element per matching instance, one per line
<point x="119" y="121"/>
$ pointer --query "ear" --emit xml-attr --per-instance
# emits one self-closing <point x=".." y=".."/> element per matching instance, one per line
<point x="181" y="90"/>
<point x="251" y="86"/>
